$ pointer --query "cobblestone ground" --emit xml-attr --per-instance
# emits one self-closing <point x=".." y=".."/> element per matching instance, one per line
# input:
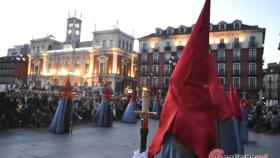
<point x="93" y="142"/>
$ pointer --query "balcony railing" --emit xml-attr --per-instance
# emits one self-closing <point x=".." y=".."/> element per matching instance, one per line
<point x="155" y="61"/>
<point x="222" y="72"/>
<point x="252" y="44"/>
<point x="155" y="73"/>
<point x="236" y="45"/>
<point x="144" y="50"/>
<point x="143" y="62"/>
<point x="221" y="46"/>
<point x="143" y="73"/>
<point x="180" y="48"/>
<point x="221" y="59"/>
<point x="236" y="59"/>
<point x="155" y="49"/>
<point x="236" y="73"/>
<point x="167" y="72"/>
<point x="252" y="73"/>
<point x="167" y="48"/>
<point x="252" y="58"/>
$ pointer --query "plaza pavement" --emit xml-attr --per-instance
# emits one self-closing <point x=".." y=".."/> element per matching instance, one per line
<point x="94" y="142"/>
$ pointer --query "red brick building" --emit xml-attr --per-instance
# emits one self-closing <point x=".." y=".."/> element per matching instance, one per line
<point x="13" y="70"/>
<point x="236" y="48"/>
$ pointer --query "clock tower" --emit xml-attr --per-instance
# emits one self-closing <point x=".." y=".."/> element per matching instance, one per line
<point x="73" y="31"/>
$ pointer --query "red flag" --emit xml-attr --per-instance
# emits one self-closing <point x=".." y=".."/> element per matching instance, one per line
<point x="188" y="113"/>
<point x="67" y="88"/>
<point x="235" y="104"/>
<point x="218" y="94"/>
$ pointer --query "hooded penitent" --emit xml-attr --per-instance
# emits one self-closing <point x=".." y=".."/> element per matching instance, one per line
<point x="129" y="115"/>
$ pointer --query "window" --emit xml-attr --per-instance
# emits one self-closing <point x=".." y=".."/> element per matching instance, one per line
<point x="236" y="82"/>
<point x="237" y="25"/>
<point x="252" y="68"/>
<point x="154" y="82"/>
<point x="104" y="43"/>
<point x="144" y="48"/>
<point x="97" y="43"/>
<point x="87" y="67"/>
<point x="179" y="55"/>
<point x="252" y="39"/>
<point x="119" y="43"/>
<point x="143" y="81"/>
<point x="77" y="32"/>
<point x="69" y="32"/>
<point x="222" y="26"/>
<point x="167" y="44"/>
<point x="143" y="70"/>
<point x="252" y="54"/>
<point x="77" y="25"/>
<point x="77" y="65"/>
<point x="155" y="70"/>
<point x="252" y="83"/>
<point x="221" y="55"/>
<point x="236" y="55"/>
<point x="221" y="69"/>
<point x="36" y="70"/>
<point x="223" y="81"/>
<point x="144" y="57"/>
<point x="167" y="70"/>
<point x="236" y="68"/>
<point x="70" y="24"/>
<point x="165" y="82"/>
<point x="111" y="43"/>
<point x="155" y="58"/>
<point x="123" y="44"/>
<point x="126" y="46"/>
<point x="103" y="67"/>
<point x="167" y="56"/>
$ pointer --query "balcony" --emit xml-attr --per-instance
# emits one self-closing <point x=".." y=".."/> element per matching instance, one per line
<point x="144" y="50"/>
<point x="236" y="59"/>
<point x="143" y="62"/>
<point x="236" y="45"/>
<point x="155" y="49"/>
<point x="155" y="73"/>
<point x="222" y="72"/>
<point x="221" y="59"/>
<point x="253" y="58"/>
<point x="167" y="73"/>
<point x="252" y="44"/>
<point x="143" y="73"/>
<point x="180" y="48"/>
<point x="221" y="46"/>
<point x="236" y="73"/>
<point x="167" y="48"/>
<point x="155" y="61"/>
<point x="252" y="73"/>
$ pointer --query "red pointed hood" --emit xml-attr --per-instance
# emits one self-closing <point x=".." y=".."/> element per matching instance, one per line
<point x="67" y="88"/>
<point x="218" y="94"/>
<point x="245" y="103"/>
<point x="187" y="112"/>
<point x="106" y="93"/>
<point x="133" y="97"/>
<point x="235" y="104"/>
<point x="157" y="97"/>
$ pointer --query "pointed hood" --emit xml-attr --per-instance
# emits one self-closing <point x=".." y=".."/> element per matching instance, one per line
<point x="106" y="93"/>
<point x="187" y="112"/>
<point x="67" y="88"/>
<point x="218" y="94"/>
<point x="157" y="97"/>
<point x="133" y="97"/>
<point x="235" y="103"/>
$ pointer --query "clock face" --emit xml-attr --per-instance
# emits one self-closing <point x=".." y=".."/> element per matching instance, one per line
<point x="77" y="25"/>
<point x="77" y="32"/>
<point x="69" y="32"/>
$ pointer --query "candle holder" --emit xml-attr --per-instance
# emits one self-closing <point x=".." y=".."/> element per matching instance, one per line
<point x="144" y="117"/>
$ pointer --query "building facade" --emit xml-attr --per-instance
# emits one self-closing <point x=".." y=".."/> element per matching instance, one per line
<point x="13" y="70"/>
<point x="108" y="56"/>
<point x="271" y="81"/>
<point x="236" y="48"/>
<point x="19" y="50"/>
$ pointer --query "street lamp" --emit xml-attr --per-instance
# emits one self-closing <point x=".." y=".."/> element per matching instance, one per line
<point x="172" y="62"/>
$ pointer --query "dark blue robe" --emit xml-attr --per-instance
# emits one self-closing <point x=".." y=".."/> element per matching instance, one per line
<point x="61" y="120"/>
<point x="104" y="115"/>
<point x="129" y="115"/>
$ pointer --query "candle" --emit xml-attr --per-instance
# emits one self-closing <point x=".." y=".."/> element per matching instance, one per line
<point x="145" y="100"/>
